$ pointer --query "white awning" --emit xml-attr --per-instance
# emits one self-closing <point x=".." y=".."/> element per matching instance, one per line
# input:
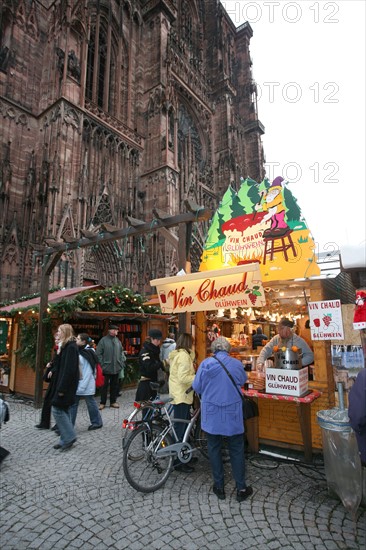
<point x="234" y="287"/>
<point x="353" y="256"/>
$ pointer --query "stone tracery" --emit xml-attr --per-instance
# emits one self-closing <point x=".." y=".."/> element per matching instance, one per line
<point x="117" y="130"/>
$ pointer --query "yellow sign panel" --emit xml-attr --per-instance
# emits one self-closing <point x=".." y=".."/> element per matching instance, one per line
<point x="226" y="288"/>
<point x="262" y="223"/>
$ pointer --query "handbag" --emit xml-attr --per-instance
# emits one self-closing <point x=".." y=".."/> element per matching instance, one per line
<point x="250" y="407"/>
<point x="99" y="376"/>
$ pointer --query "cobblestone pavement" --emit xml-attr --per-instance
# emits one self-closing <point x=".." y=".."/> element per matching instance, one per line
<point x="81" y="499"/>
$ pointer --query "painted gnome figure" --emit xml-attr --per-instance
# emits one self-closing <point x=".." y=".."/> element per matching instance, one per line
<point x="273" y="204"/>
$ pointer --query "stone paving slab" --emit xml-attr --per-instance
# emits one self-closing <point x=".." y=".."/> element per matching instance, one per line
<point x="81" y="499"/>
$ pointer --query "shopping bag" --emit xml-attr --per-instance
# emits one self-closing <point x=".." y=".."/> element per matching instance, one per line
<point x="99" y="378"/>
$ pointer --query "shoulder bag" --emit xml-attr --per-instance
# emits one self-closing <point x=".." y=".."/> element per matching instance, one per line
<point x="250" y="407"/>
<point x="99" y="376"/>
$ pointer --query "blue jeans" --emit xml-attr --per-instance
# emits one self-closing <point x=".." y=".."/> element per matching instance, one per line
<point x="236" y="452"/>
<point x="181" y="411"/>
<point x="94" y="414"/>
<point x="64" y="424"/>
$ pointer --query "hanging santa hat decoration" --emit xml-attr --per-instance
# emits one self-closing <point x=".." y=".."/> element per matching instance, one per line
<point x="359" y="318"/>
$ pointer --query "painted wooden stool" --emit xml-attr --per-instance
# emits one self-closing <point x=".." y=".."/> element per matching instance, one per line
<point x="270" y="248"/>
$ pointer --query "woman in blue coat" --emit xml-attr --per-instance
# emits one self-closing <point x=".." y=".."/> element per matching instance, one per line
<point x="222" y="415"/>
<point x="86" y="388"/>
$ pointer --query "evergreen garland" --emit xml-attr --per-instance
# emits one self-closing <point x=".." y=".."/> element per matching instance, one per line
<point x="116" y="299"/>
<point x="28" y="341"/>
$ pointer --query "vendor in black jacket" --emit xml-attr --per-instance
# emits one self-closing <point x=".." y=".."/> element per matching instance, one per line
<point x="149" y="364"/>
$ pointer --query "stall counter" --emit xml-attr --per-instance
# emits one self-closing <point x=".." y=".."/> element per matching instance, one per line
<point x="303" y="405"/>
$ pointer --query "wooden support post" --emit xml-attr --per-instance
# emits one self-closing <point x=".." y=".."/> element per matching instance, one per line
<point x="323" y="371"/>
<point x="304" y="416"/>
<point x="49" y="264"/>
<point x="184" y="232"/>
<point x="201" y="336"/>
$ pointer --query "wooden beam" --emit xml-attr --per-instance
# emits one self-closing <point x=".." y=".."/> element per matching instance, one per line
<point x="69" y="239"/>
<point x="160" y="214"/>
<point x="53" y="253"/>
<point x="109" y="227"/>
<point x="134" y="222"/>
<point x="192" y="206"/>
<point x="88" y="234"/>
<point x="173" y="239"/>
<point x="100" y="238"/>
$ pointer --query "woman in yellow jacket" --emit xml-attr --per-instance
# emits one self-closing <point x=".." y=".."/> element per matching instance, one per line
<point x="181" y="376"/>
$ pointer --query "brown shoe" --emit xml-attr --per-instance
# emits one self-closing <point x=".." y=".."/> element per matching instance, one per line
<point x="115" y="406"/>
<point x="101" y="407"/>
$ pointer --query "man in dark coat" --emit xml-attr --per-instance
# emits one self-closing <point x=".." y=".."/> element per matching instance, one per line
<point x="112" y="359"/>
<point x="149" y="363"/>
<point x="357" y="412"/>
<point x="258" y="338"/>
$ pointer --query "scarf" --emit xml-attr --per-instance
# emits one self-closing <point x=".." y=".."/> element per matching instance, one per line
<point x="90" y="355"/>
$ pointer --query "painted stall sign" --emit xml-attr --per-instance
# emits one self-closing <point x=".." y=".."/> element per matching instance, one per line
<point x="262" y="223"/>
<point x="326" y="320"/>
<point x="240" y="286"/>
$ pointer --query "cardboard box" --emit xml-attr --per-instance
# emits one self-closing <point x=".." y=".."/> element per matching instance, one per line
<point x="287" y="382"/>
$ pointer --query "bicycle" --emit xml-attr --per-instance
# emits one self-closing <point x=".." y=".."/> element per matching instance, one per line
<point x="143" y="410"/>
<point x="152" y="445"/>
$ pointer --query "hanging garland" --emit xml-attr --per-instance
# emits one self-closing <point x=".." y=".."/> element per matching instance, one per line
<point x="114" y="299"/>
<point x="28" y="341"/>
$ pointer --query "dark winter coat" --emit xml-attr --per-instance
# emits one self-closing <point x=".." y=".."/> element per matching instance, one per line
<point x="357" y="411"/>
<point x="258" y="338"/>
<point x="149" y="361"/>
<point x="67" y="376"/>
<point x="111" y="355"/>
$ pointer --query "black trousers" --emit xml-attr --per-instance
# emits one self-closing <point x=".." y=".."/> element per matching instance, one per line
<point x="144" y="392"/>
<point x="3" y="453"/>
<point x="46" y="407"/>
<point x="111" y="380"/>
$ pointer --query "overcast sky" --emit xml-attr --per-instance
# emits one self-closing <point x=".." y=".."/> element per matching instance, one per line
<point x="309" y="65"/>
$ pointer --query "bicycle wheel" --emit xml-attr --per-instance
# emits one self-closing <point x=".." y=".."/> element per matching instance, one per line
<point x="144" y="471"/>
<point x="200" y="439"/>
<point x="137" y="416"/>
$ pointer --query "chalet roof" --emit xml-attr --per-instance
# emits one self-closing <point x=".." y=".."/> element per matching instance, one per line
<point x="53" y="297"/>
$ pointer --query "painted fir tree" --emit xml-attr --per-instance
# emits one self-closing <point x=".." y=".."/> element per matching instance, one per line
<point x="293" y="212"/>
<point x="248" y="194"/>
<point x="215" y="235"/>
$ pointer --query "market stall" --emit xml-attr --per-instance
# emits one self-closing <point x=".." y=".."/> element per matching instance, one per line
<point x="82" y="307"/>
<point x="249" y="230"/>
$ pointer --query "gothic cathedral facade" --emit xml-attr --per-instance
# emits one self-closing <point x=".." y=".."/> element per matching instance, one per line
<point x="115" y="108"/>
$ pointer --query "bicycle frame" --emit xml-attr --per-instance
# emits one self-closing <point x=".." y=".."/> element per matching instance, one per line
<point x="152" y="412"/>
<point x="182" y="449"/>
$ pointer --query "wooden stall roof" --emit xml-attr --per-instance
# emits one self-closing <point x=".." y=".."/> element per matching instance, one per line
<point x="116" y="316"/>
<point x="52" y="297"/>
